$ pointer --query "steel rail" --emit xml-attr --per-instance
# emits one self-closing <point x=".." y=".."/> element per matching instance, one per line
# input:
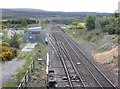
<point x="66" y="71"/>
<point x="73" y="65"/>
<point x="93" y="69"/>
<point x="83" y="63"/>
<point x="63" y="52"/>
<point x="65" y="66"/>
<point x="88" y="61"/>
<point x="69" y="58"/>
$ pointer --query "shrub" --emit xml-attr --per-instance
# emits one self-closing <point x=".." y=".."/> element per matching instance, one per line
<point x="90" y="21"/>
<point x="5" y="44"/>
<point x="8" y="55"/>
<point x="8" y="52"/>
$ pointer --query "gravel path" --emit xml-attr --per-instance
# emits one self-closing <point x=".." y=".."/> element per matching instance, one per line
<point x="29" y="47"/>
<point x="10" y="68"/>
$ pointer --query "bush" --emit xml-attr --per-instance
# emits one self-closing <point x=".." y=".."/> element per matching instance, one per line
<point x="110" y="25"/>
<point x="8" y="53"/>
<point x="5" y="44"/>
<point x="90" y="21"/>
<point x="15" y="41"/>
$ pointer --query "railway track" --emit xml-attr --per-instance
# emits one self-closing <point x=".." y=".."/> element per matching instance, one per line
<point x="71" y="73"/>
<point x="74" y="74"/>
<point x="72" y="57"/>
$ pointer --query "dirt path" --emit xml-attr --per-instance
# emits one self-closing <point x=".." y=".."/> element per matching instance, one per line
<point x="10" y="68"/>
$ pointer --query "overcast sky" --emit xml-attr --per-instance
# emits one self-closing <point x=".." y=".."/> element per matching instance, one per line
<point x="63" y="5"/>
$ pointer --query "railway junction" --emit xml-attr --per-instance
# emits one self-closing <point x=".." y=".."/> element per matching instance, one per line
<point x="70" y="66"/>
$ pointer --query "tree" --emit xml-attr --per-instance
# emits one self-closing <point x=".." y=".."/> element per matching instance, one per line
<point x="4" y="36"/>
<point x="15" y="42"/>
<point x="25" y="30"/>
<point x="90" y="21"/>
<point x="104" y="21"/>
<point x="110" y="25"/>
<point x="24" y="23"/>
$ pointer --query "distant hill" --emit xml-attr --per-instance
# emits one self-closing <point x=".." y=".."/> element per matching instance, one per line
<point x="22" y="10"/>
<point x="38" y="13"/>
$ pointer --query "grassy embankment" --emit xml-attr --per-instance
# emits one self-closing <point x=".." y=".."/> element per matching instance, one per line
<point x="95" y="37"/>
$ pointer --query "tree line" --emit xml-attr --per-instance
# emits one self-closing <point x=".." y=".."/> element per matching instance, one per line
<point x="108" y="24"/>
<point x="22" y="22"/>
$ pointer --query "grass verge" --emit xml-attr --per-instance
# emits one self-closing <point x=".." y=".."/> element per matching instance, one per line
<point x="39" y="76"/>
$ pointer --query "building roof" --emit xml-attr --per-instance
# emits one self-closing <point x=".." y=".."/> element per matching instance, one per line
<point x="35" y="29"/>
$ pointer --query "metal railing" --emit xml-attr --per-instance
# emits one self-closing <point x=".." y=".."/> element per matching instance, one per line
<point x="27" y="76"/>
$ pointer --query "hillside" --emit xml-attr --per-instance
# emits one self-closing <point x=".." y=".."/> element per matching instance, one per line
<point x="37" y="13"/>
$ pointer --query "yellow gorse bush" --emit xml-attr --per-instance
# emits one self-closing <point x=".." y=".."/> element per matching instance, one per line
<point x="5" y="44"/>
<point x="7" y="52"/>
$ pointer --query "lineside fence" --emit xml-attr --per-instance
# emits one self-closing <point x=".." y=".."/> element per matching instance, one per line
<point x="27" y="76"/>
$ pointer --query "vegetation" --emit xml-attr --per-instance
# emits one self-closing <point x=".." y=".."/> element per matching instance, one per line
<point x="108" y="28"/>
<point x="83" y="29"/>
<point x="40" y="68"/>
<point x="18" y="22"/>
<point x="78" y="25"/>
<point x="25" y="30"/>
<point x="44" y="23"/>
<point x="10" y="45"/>
<point x="8" y="52"/>
<point x="4" y="36"/>
<point x="29" y="57"/>
<point x="90" y="22"/>
<point x="15" y="41"/>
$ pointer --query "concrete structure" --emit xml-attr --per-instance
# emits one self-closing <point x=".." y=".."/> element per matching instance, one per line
<point x="35" y="34"/>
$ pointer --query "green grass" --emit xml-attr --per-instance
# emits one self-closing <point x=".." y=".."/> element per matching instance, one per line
<point x="82" y="35"/>
<point x="29" y="57"/>
<point x="21" y="55"/>
<point x="22" y="45"/>
<point x="77" y="34"/>
<point x="40" y="69"/>
<point x="24" y="55"/>
<point x="43" y="48"/>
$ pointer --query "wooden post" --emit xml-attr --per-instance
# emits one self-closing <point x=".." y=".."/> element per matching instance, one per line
<point x="21" y="85"/>
<point x="30" y="70"/>
<point x="25" y="81"/>
<point x="33" y="65"/>
<point x="29" y="75"/>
